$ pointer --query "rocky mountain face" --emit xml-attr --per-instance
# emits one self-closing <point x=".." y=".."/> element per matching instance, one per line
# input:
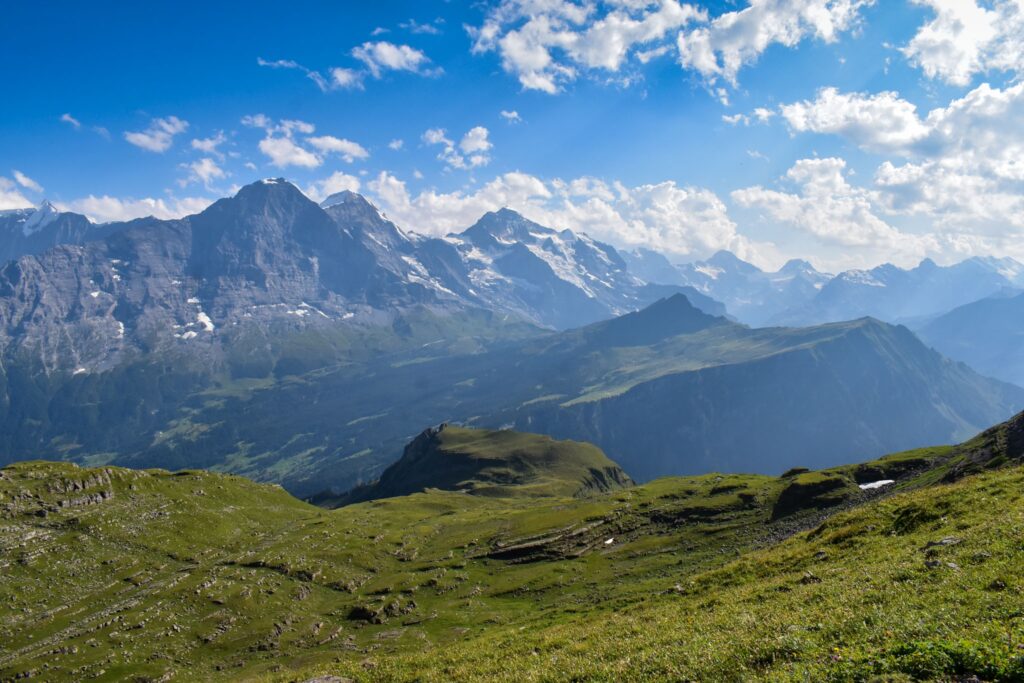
<point x="33" y="231"/>
<point x="270" y="257"/>
<point x="898" y="295"/>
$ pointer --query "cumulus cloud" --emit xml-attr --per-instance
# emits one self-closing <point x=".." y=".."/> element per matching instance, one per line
<point x="210" y="145"/>
<point x="348" y="150"/>
<point x="664" y="216"/>
<point x="382" y="56"/>
<point x="470" y="152"/>
<point x="283" y="148"/>
<point x="344" y="78"/>
<point x="203" y="171"/>
<point x="961" y="164"/>
<point x="826" y="206"/>
<point x="879" y="122"/>
<point x="336" y="182"/>
<point x="964" y="38"/>
<point x="719" y="49"/>
<point x="546" y="43"/>
<point x="396" y="144"/>
<point x="105" y="209"/>
<point x="11" y="197"/>
<point x="511" y="116"/>
<point x="283" y="151"/>
<point x="159" y="136"/>
<point x="26" y="182"/>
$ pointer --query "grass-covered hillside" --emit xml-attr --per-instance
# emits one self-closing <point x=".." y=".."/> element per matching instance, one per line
<point x="493" y="463"/>
<point x="114" y="574"/>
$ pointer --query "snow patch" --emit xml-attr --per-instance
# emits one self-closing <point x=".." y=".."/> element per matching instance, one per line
<point x="40" y="218"/>
<point x="205" y="321"/>
<point x="709" y="271"/>
<point x="877" y="484"/>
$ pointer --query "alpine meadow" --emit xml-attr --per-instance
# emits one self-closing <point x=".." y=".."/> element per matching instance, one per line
<point x="512" y="340"/>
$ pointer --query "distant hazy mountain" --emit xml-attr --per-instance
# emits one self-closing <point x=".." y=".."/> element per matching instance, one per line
<point x="988" y="335"/>
<point x="752" y="295"/>
<point x="896" y="295"/>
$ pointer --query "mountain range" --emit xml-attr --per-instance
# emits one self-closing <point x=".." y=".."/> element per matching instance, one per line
<point x="798" y="294"/>
<point x="306" y="344"/>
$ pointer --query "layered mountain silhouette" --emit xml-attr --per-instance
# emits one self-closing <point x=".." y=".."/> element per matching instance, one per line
<point x="988" y="335"/>
<point x="305" y="344"/>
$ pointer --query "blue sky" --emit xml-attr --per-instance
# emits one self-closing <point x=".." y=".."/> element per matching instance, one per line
<point x="682" y="127"/>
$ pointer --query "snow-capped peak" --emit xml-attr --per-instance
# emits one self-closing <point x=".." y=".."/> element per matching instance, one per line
<point x="40" y="218"/>
<point x="342" y="197"/>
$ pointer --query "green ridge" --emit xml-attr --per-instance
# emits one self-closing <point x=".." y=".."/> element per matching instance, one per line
<point x="115" y="574"/>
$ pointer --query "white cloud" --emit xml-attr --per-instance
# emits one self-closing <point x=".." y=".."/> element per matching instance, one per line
<point x="475" y="141"/>
<point x="337" y="77"/>
<point x="159" y="136"/>
<point x="396" y="144"/>
<point x="736" y="119"/>
<point x="105" y="208"/>
<point x="11" y="197"/>
<point x="382" y="56"/>
<point x="545" y="43"/>
<point x="283" y="151"/>
<point x="72" y="121"/>
<point x="345" y="78"/>
<point x="882" y="121"/>
<point x="511" y="116"/>
<point x="348" y="150"/>
<point x="413" y="26"/>
<point x="279" y="63"/>
<point x="336" y="182"/>
<point x="719" y="50"/>
<point x="842" y="219"/>
<point x="964" y="38"/>
<point x="210" y="145"/>
<point x="964" y="162"/>
<point x="663" y="216"/>
<point x="26" y="182"/>
<point x="470" y="152"/>
<point x="204" y="171"/>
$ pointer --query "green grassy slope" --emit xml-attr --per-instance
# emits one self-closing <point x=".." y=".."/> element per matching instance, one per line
<point x="493" y="463"/>
<point x="110" y="574"/>
<point x="927" y="585"/>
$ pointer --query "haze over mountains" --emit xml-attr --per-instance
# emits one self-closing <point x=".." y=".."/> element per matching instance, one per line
<point x="305" y="344"/>
<point x="798" y="294"/>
